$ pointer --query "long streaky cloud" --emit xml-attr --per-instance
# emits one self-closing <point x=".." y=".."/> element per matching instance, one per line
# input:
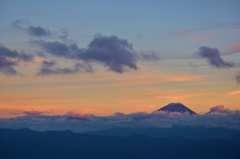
<point x="233" y="93"/>
<point x="233" y="49"/>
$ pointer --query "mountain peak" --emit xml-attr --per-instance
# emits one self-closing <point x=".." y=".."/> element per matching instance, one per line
<point x="176" y="107"/>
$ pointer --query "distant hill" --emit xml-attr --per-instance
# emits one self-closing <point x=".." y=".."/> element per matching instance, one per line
<point x="190" y="132"/>
<point x="176" y="107"/>
<point x="28" y="144"/>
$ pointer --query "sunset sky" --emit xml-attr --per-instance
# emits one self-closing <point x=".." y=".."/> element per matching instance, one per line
<point x="103" y="56"/>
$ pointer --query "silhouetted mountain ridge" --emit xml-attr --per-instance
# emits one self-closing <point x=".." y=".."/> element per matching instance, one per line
<point x="191" y="132"/>
<point x="29" y="144"/>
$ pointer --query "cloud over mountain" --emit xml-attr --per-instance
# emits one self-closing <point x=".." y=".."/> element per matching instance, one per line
<point x="217" y="117"/>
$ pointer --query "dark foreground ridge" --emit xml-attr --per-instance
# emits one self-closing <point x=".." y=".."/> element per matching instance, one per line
<point x="28" y="144"/>
<point x="176" y="107"/>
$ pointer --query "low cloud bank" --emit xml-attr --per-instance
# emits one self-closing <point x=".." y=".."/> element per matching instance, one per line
<point x="217" y="117"/>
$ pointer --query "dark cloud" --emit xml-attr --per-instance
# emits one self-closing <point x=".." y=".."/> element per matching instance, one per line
<point x="8" y="70"/>
<point x="47" y="69"/>
<point x="213" y="57"/>
<point x="38" y="31"/>
<point x="24" y="57"/>
<point x="74" y="116"/>
<point x="48" y="63"/>
<point x="10" y="58"/>
<point x="58" y="49"/>
<point x="238" y="77"/>
<point x="84" y="67"/>
<point x="113" y="52"/>
<point x="32" y="113"/>
<point x="16" y="24"/>
<point x="6" y="66"/>
<point x="116" y="54"/>
<point x="150" y="56"/>
<point x="64" y="36"/>
<point x="20" y="24"/>
<point x="216" y="117"/>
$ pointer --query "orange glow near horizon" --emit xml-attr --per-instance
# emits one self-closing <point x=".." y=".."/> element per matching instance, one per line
<point x="104" y="93"/>
<point x="118" y="57"/>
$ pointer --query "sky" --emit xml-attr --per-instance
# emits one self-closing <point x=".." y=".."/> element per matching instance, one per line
<point x="101" y="57"/>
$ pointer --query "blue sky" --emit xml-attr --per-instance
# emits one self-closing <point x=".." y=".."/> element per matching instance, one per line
<point x="146" y="24"/>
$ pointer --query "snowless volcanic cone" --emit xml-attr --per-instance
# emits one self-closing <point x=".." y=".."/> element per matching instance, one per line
<point x="176" y="107"/>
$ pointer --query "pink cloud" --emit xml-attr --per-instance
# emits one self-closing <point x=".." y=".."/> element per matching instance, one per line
<point x="185" y="78"/>
<point x="172" y="97"/>
<point x="26" y="97"/>
<point x="234" y="93"/>
<point x="201" y="37"/>
<point x="175" y="97"/>
<point x="129" y="101"/>
<point x="233" y="49"/>
<point x="150" y="79"/>
<point x="219" y="109"/>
